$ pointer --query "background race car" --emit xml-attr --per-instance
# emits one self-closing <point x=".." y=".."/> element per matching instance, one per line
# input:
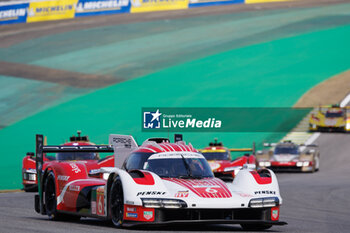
<point x="93" y="160"/>
<point x="156" y="183"/>
<point x="330" y="118"/>
<point x="288" y="156"/>
<point x="222" y="163"/>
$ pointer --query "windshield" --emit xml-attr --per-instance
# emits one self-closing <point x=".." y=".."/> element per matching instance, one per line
<point x="286" y="150"/>
<point x="77" y="156"/>
<point x="179" y="167"/>
<point x="334" y="114"/>
<point x="216" y="155"/>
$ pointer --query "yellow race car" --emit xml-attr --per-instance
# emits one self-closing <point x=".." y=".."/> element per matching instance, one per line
<point x="330" y="118"/>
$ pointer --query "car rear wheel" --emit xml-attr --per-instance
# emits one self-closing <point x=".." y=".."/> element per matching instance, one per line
<point x="255" y="227"/>
<point x="117" y="202"/>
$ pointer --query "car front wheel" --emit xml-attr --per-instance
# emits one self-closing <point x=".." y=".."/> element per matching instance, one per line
<point x="117" y="202"/>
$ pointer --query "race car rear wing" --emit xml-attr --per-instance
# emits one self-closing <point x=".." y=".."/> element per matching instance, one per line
<point x="244" y="149"/>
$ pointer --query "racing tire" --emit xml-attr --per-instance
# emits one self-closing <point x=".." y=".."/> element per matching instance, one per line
<point x="50" y="197"/>
<point x="255" y="227"/>
<point x="51" y="201"/>
<point x="116" y="203"/>
<point x="317" y="164"/>
<point x="313" y="168"/>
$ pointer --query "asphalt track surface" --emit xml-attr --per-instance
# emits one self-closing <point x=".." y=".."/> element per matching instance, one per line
<point x="313" y="202"/>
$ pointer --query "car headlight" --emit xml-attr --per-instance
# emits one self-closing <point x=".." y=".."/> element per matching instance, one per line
<point x="105" y="176"/>
<point x="303" y="163"/>
<point x="163" y="203"/>
<point x="29" y="174"/>
<point x="265" y="164"/>
<point x="264" y="202"/>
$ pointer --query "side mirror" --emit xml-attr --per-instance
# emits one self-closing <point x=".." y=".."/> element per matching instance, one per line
<point x="30" y="154"/>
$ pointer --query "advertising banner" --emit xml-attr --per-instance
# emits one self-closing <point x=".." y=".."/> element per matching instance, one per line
<point x="13" y="13"/>
<point x="51" y="10"/>
<point x="97" y="7"/>
<point x="198" y="3"/>
<point x="157" y="5"/>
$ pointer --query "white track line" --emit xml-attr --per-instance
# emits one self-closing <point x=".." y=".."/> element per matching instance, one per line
<point x="312" y="138"/>
<point x="345" y="101"/>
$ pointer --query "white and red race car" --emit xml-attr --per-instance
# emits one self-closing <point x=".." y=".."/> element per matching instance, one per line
<point x="156" y="183"/>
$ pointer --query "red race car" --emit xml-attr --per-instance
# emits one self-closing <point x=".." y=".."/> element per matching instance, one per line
<point x="92" y="160"/>
<point x="222" y="163"/>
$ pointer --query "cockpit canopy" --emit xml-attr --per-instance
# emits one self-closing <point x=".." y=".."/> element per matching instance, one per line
<point x="170" y="164"/>
<point x="293" y="150"/>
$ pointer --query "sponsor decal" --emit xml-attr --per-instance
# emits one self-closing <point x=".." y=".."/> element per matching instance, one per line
<point x="210" y="188"/>
<point x="131" y="215"/>
<point x="243" y="194"/>
<point x="75" y="168"/>
<point x="157" y="5"/>
<point x="182" y="194"/>
<point x="13" y="13"/>
<point x="64" y="178"/>
<point x="148" y="214"/>
<point x="129" y="202"/>
<point x="264" y="192"/>
<point x="274" y="213"/>
<point x="74" y="188"/>
<point x="94" y="171"/>
<point x="51" y="10"/>
<point x="150" y="193"/>
<point x="94" y="7"/>
<point x="130" y="209"/>
<point x="93" y="207"/>
<point x="121" y="140"/>
<point x="330" y="122"/>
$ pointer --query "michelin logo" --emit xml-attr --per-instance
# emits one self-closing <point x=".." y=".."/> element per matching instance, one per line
<point x="151" y="120"/>
<point x="12" y="13"/>
<point x="101" y="5"/>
